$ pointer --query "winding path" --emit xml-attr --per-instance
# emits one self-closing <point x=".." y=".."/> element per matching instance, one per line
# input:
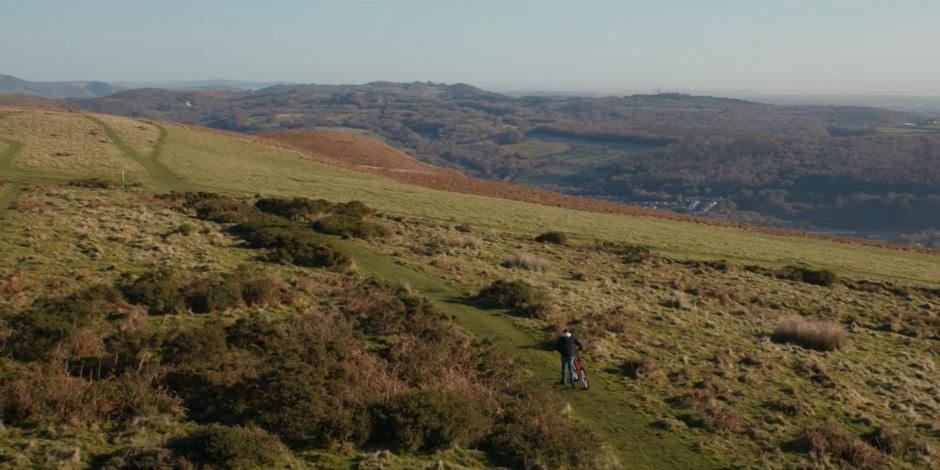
<point x="635" y="443"/>
<point x="162" y="178"/>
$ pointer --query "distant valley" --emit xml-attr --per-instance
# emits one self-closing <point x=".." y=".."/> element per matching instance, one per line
<point x="863" y="171"/>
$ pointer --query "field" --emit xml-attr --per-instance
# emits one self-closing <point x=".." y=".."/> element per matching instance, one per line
<point x="686" y="371"/>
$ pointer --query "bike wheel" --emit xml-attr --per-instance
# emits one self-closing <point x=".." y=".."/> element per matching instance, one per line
<point x="584" y="379"/>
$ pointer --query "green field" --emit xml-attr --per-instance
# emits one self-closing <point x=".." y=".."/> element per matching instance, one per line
<point x="718" y="348"/>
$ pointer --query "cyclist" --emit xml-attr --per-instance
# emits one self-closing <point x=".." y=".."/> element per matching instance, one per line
<point x="567" y="345"/>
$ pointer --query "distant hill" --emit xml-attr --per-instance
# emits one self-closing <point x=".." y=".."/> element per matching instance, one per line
<point x="69" y="89"/>
<point x="866" y="170"/>
<point x="215" y="83"/>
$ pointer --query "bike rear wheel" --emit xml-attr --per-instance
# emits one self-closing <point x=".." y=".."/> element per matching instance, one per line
<point x="584" y="379"/>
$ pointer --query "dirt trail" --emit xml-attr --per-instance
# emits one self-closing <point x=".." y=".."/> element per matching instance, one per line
<point x="635" y="443"/>
<point x="161" y="176"/>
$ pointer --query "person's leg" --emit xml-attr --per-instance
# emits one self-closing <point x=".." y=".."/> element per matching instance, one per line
<point x="571" y="372"/>
<point x="564" y="363"/>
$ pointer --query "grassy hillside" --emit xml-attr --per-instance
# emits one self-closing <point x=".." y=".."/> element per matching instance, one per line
<point x="690" y="362"/>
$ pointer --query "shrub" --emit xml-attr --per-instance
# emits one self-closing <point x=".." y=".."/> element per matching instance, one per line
<point x="893" y="442"/>
<point x="196" y="345"/>
<point x="50" y="322"/>
<point x="819" y="277"/>
<point x="356" y="209"/>
<point x="628" y="253"/>
<point x="529" y="262"/>
<point x="311" y="253"/>
<point x="234" y="447"/>
<point x="558" y="238"/>
<point x="813" y="334"/>
<point x="828" y="440"/>
<point x="459" y="241"/>
<point x="160" y="291"/>
<point x="186" y="229"/>
<point x="350" y="226"/>
<point x="532" y="434"/>
<point x="519" y="296"/>
<point x="464" y="228"/>
<point x="298" y="209"/>
<point x="96" y="183"/>
<point x="209" y="294"/>
<point x="291" y="243"/>
<point x="144" y="458"/>
<point x="637" y="367"/>
<point x="295" y="402"/>
<point x="428" y="420"/>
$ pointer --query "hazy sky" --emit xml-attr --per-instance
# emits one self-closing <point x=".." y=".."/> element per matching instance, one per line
<point x="770" y="46"/>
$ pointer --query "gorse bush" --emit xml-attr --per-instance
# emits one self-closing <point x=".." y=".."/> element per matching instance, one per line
<point x="818" y="277"/>
<point x="50" y="322"/>
<point x="234" y="447"/>
<point x="813" y="334"/>
<point x="627" y="252"/>
<point x="427" y="420"/>
<point x="298" y="209"/>
<point x="827" y="440"/>
<point x="525" y="261"/>
<point x="351" y="226"/>
<point x="520" y="297"/>
<point x="532" y="434"/>
<point x="166" y="291"/>
<point x="558" y="238"/>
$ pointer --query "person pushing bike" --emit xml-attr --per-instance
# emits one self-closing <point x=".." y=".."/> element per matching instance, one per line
<point x="567" y="345"/>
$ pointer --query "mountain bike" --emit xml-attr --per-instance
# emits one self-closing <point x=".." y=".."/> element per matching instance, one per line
<point x="581" y="373"/>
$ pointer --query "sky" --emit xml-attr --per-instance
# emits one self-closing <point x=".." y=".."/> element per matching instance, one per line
<point x="745" y="46"/>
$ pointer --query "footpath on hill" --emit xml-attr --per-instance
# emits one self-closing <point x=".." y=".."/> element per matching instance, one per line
<point x="635" y="443"/>
<point x="161" y="176"/>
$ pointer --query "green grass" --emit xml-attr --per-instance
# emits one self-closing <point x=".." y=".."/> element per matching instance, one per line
<point x="244" y="167"/>
<point x="162" y="179"/>
<point x="615" y="407"/>
<point x="628" y="432"/>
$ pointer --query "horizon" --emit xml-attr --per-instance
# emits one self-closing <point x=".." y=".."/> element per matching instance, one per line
<point x="770" y="47"/>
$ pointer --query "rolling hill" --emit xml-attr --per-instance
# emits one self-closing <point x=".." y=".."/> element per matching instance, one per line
<point x="68" y="89"/>
<point x="826" y="168"/>
<point x="152" y="321"/>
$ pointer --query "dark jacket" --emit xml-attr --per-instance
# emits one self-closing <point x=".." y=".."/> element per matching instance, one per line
<point x="565" y="345"/>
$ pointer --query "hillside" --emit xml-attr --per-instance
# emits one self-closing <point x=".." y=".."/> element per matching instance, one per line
<point x="69" y="89"/>
<point x="138" y="328"/>
<point x="718" y="157"/>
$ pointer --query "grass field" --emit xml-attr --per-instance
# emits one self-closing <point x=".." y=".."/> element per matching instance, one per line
<point x="715" y="350"/>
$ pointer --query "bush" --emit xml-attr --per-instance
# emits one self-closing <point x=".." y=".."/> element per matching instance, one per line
<point x="458" y="241"/>
<point x="519" y="296"/>
<point x="637" y="367"/>
<point x="144" y="458"/>
<point x="813" y="334"/>
<point x="160" y="291"/>
<point x="50" y="322"/>
<point x="233" y="447"/>
<point x="209" y="294"/>
<point x="298" y="209"/>
<point x="627" y="252"/>
<point x="532" y="434"/>
<point x="529" y="262"/>
<point x="291" y="243"/>
<point x="428" y="420"/>
<point x="828" y="440"/>
<point x="196" y="345"/>
<point x="893" y="442"/>
<point x="295" y="402"/>
<point x="355" y="209"/>
<point x="818" y="277"/>
<point x="95" y="183"/>
<point x="186" y="229"/>
<point x="558" y="238"/>
<point x="350" y="226"/>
